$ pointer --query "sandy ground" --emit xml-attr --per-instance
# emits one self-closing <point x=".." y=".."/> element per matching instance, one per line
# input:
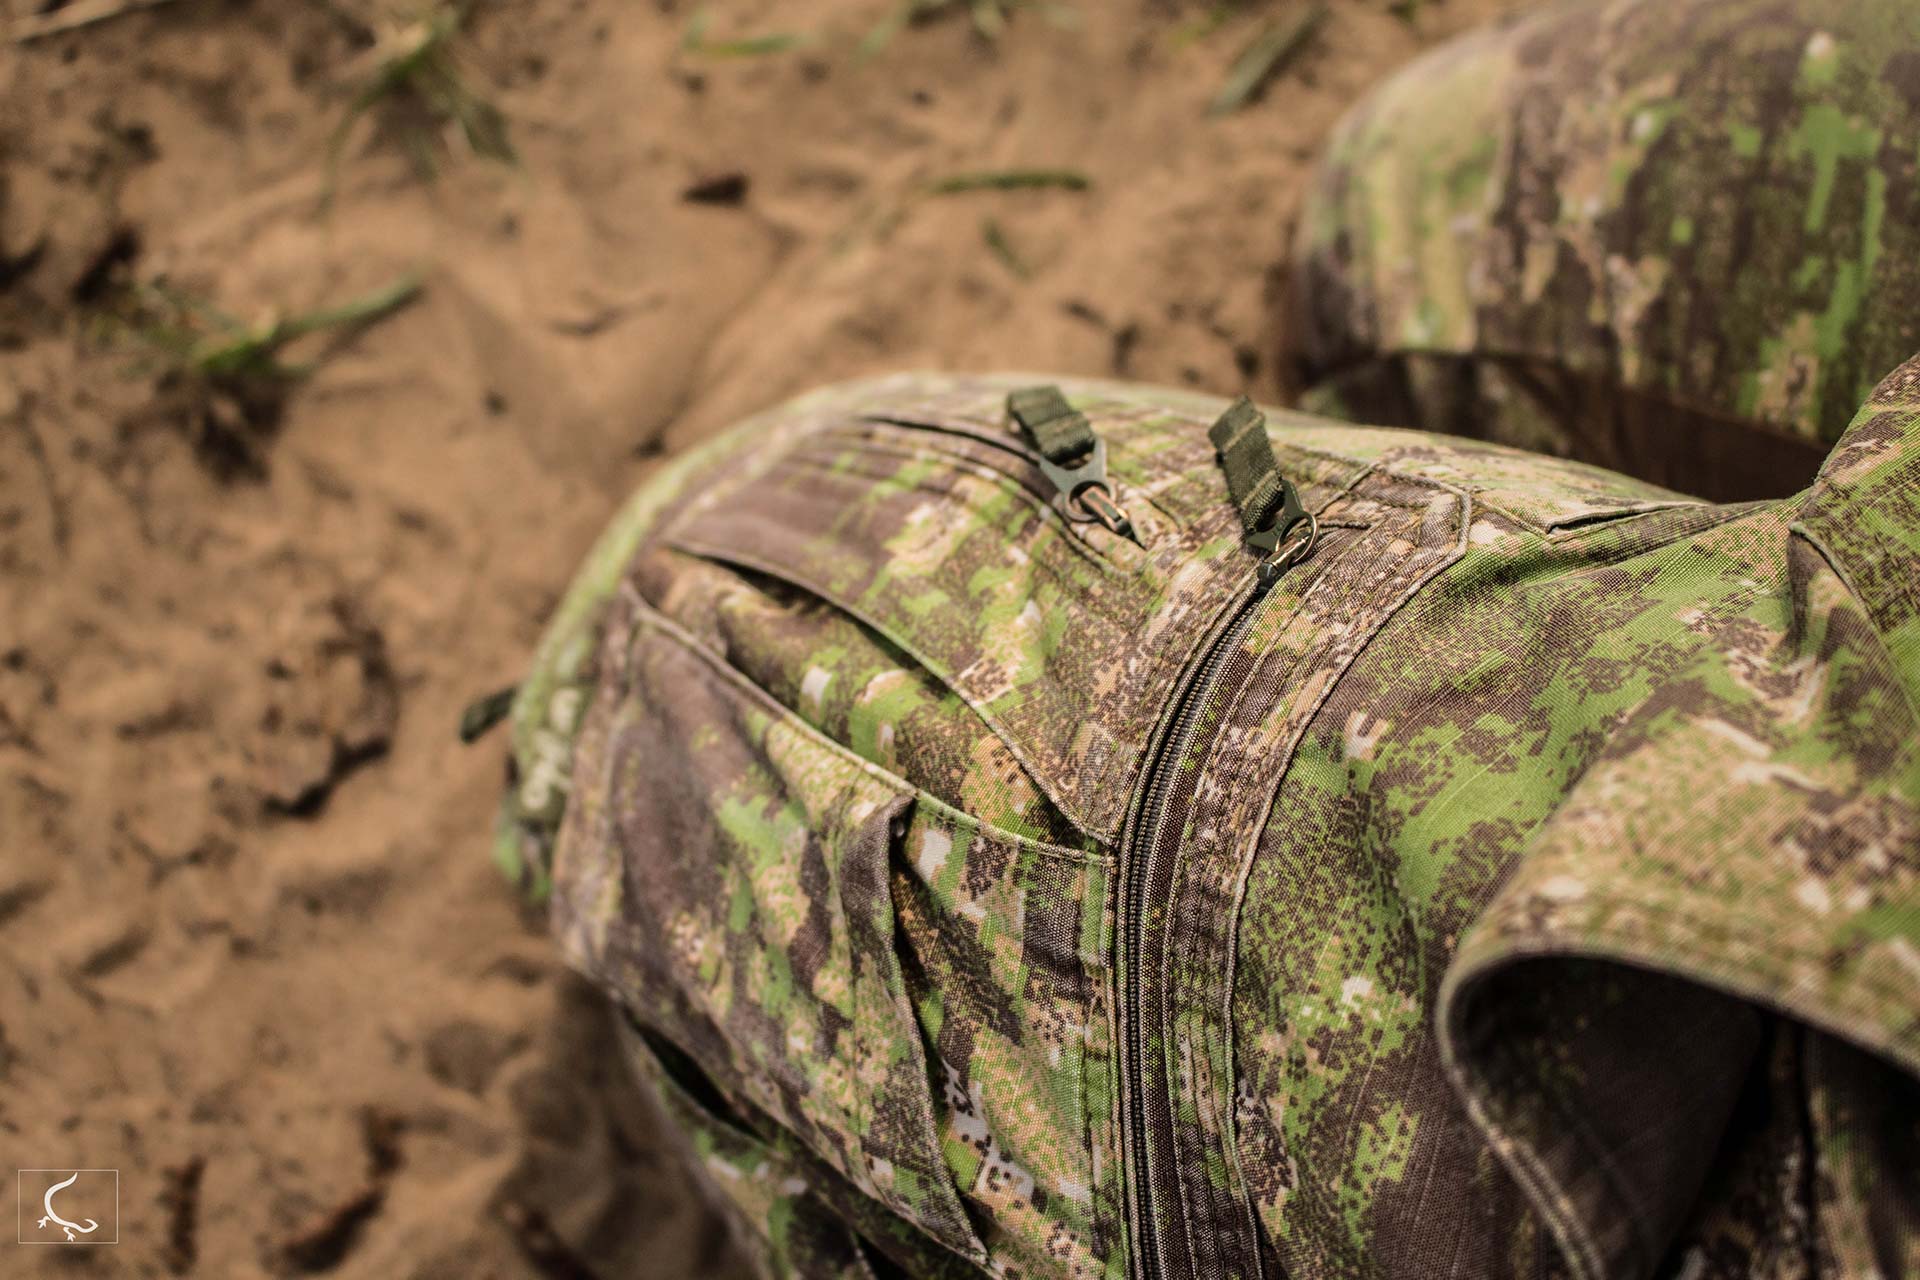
<point x="252" y="951"/>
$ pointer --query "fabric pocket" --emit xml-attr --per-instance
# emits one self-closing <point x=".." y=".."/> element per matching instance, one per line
<point x="769" y="1209"/>
<point x="804" y="925"/>
<point x="1064" y="639"/>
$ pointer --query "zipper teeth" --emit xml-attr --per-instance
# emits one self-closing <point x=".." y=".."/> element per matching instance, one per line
<point x="1173" y="748"/>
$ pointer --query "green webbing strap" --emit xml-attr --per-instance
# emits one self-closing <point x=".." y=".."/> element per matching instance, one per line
<point x="1277" y="524"/>
<point x="1060" y="432"/>
<point x="1253" y="478"/>
<point x="1072" y="458"/>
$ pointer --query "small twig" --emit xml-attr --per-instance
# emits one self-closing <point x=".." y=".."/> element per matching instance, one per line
<point x="1011" y="180"/>
<point x="323" y="1242"/>
<point x="75" y="16"/>
<point x="56" y="502"/>
<point x="180" y="1197"/>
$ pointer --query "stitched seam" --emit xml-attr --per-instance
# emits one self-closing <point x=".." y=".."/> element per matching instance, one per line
<point x="1528" y="1167"/>
<point x="1049" y="518"/>
<point x="1620" y="1205"/>
<point x="1833" y="562"/>
<point x="997" y="443"/>
<point x="980" y="469"/>
<point x="1723" y="970"/>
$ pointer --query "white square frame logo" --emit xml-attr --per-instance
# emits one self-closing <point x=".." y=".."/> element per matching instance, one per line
<point x="20" y="1207"/>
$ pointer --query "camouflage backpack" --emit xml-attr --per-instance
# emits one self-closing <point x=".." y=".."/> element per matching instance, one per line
<point x="1675" y="237"/>
<point x="1103" y="832"/>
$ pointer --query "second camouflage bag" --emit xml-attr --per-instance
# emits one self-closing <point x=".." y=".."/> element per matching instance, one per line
<point x="1278" y="847"/>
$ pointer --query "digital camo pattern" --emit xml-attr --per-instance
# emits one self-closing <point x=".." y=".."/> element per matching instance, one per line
<point x="1713" y="203"/>
<point x="896" y="589"/>
<point x="1540" y="892"/>
<point x="1576" y="824"/>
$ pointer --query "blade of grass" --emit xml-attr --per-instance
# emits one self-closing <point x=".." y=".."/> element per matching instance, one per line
<point x="694" y="40"/>
<point x="357" y="311"/>
<point x="1011" y="180"/>
<point x="188" y="336"/>
<point x="481" y="124"/>
<point x="875" y="41"/>
<point x="421" y="63"/>
<point x="1001" y="248"/>
<point x="160" y="294"/>
<point x="752" y="46"/>
<point x="1269" y="53"/>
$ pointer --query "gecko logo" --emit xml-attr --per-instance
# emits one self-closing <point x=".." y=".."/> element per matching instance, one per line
<point x="69" y="1206"/>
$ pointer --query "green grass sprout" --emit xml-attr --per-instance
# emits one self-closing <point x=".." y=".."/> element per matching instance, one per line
<point x="225" y="380"/>
<point x="418" y="75"/>
<point x="191" y="337"/>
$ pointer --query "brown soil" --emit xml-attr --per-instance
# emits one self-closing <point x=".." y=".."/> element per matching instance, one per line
<point x="252" y="951"/>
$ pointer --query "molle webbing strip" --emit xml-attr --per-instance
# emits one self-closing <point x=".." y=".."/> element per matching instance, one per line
<point x="1246" y="455"/>
<point x="1060" y="432"/>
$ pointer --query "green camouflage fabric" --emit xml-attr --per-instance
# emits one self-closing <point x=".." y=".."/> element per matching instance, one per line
<point x="1526" y="883"/>
<point x="1675" y="237"/>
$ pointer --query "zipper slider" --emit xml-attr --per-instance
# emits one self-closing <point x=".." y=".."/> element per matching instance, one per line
<point x="1277" y="524"/>
<point x="1071" y="457"/>
<point x="1288" y="538"/>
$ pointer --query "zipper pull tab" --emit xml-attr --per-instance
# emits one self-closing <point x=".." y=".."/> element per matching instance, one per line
<point x="1072" y="458"/>
<point x="1276" y="523"/>
<point x="1288" y="538"/>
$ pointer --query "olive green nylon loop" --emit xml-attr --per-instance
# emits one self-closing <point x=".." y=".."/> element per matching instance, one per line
<point x="1253" y="477"/>
<point x="1060" y="432"/>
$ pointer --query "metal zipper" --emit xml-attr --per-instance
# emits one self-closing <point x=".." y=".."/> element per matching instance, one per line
<point x="1148" y="819"/>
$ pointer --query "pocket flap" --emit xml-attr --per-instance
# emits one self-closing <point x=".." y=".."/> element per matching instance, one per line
<point x="1066" y="649"/>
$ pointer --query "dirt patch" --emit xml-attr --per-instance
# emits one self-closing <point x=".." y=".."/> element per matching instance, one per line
<point x="245" y="901"/>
